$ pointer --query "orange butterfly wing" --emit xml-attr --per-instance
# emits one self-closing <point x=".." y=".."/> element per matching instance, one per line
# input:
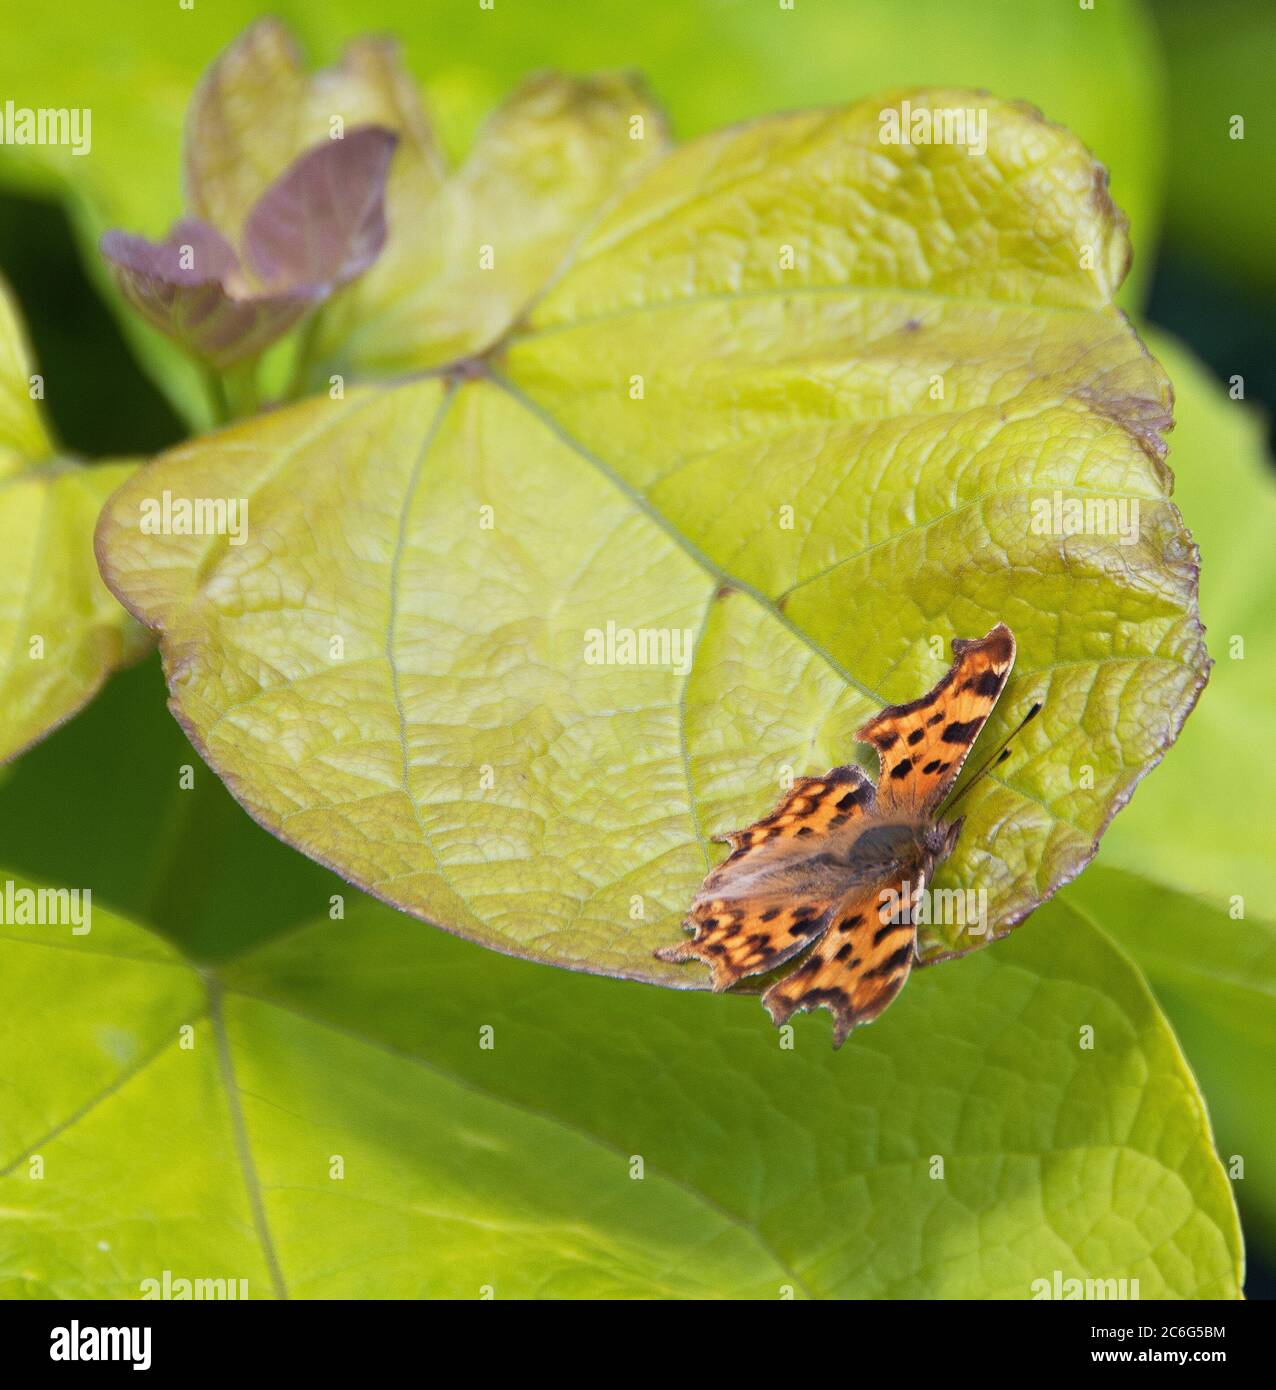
<point x="923" y="744"/>
<point x="862" y="962"/>
<point x="766" y="900"/>
<point x="811" y="806"/>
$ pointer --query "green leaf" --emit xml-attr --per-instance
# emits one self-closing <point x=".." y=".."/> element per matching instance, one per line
<point x="22" y="433"/>
<point x="1199" y="823"/>
<point x="1098" y="71"/>
<point x="1215" y="976"/>
<point x="514" y="1166"/>
<point x="1221" y="199"/>
<point x="120" y="800"/>
<point x="405" y="693"/>
<point x="61" y="632"/>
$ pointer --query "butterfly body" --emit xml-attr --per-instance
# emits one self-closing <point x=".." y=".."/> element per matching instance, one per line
<point x="838" y="866"/>
<point x="864" y="853"/>
<point x="881" y="846"/>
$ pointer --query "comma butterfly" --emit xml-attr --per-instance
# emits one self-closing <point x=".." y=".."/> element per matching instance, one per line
<point x="839" y="865"/>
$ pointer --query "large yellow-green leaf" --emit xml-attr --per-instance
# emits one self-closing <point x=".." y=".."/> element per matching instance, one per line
<point x="61" y="632"/>
<point x="369" y="1109"/>
<point x="793" y="400"/>
<point x="708" y="62"/>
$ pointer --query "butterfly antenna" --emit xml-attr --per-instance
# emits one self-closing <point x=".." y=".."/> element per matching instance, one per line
<point x="1000" y="756"/>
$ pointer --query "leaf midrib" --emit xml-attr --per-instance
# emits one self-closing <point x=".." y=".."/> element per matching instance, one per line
<point x="239" y="1132"/>
<point x="644" y="504"/>
<point x="396" y="566"/>
<point x="535" y="331"/>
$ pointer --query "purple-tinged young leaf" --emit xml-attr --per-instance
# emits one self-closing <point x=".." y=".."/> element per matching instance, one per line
<point x="322" y="222"/>
<point x="192" y="254"/>
<point x="191" y="288"/>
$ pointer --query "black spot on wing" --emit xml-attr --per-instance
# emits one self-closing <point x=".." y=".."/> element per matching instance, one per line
<point x="987" y="684"/>
<point x="962" y="731"/>
<point x="831" y="998"/>
<point x="891" y="964"/>
<point x="901" y="769"/>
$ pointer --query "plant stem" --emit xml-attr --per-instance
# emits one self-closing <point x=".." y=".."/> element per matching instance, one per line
<point x="305" y="348"/>
<point x="217" y="396"/>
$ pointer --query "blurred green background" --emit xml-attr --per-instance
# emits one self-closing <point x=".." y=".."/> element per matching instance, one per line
<point x="1153" y="90"/>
